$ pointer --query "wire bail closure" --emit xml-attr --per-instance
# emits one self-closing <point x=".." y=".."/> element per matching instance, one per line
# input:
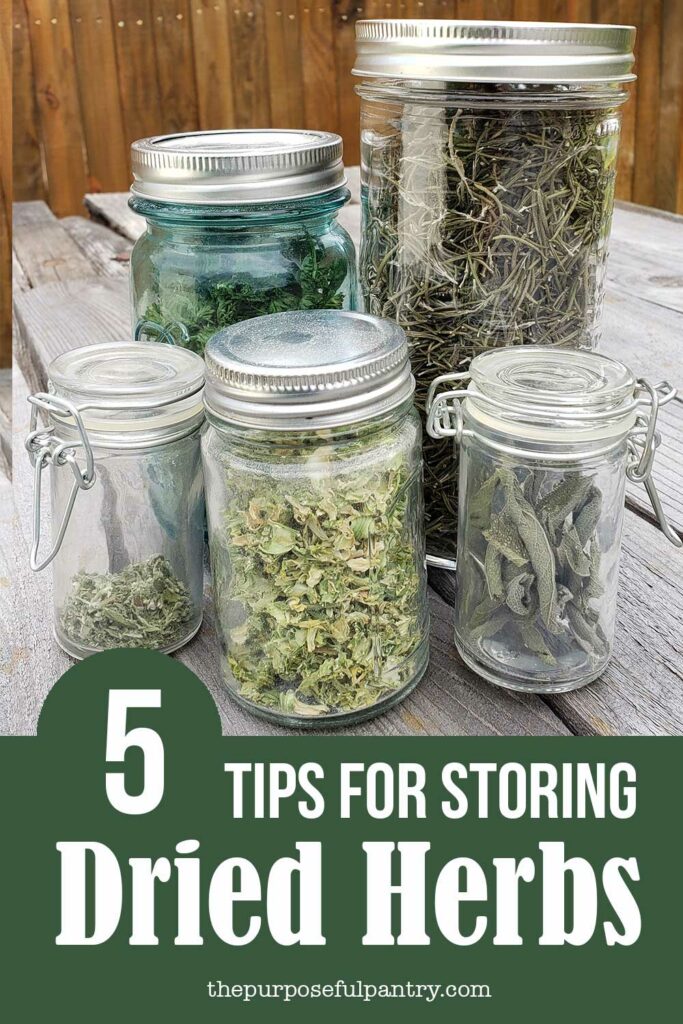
<point x="444" y="419"/>
<point x="45" y="449"/>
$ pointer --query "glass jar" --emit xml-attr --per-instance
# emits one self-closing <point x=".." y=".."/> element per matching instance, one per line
<point x="547" y="440"/>
<point x="312" y="461"/>
<point x="239" y="224"/>
<point x="488" y="161"/>
<point x="122" y="442"/>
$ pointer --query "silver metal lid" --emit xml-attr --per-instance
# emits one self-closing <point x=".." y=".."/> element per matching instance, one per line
<point x="488" y="51"/>
<point x="241" y="166"/>
<point x="303" y="370"/>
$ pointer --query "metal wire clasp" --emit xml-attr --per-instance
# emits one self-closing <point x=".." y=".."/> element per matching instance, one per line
<point x="444" y="415"/>
<point x="643" y="442"/>
<point x="45" y="449"/>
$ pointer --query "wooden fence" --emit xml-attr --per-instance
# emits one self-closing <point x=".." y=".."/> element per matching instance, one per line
<point x="92" y="75"/>
<point x="5" y="185"/>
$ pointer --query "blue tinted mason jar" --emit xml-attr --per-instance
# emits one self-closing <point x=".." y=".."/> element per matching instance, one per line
<point x="239" y="224"/>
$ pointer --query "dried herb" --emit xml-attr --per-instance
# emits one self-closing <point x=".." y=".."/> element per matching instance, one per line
<point x="144" y="605"/>
<point x="319" y="582"/>
<point x="192" y="310"/>
<point x="533" y="566"/>
<point x="485" y="226"/>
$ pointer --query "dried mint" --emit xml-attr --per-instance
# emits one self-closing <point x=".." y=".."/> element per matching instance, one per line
<point x="143" y="605"/>
<point x="193" y="310"/>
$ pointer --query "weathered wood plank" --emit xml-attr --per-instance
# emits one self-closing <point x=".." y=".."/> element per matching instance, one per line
<point x="43" y="247"/>
<point x="58" y="317"/>
<point x="112" y="209"/>
<point x="646" y="255"/>
<point x="107" y="252"/>
<point x="640" y="692"/>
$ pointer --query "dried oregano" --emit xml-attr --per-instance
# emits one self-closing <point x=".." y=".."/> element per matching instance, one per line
<point x="534" y="565"/>
<point x="318" y="583"/>
<point x="143" y="605"/>
<point x="484" y="226"/>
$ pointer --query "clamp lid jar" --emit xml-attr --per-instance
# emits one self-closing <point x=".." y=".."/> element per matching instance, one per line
<point x="547" y="439"/>
<point x="121" y="441"/>
<point x="239" y="224"/>
<point x="312" y="462"/>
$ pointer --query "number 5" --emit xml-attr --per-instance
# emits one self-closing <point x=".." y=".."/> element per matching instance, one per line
<point x="148" y="741"/>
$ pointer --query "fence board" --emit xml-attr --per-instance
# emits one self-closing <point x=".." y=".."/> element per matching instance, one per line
<point x="246" y="27"/>
<point x="143" y="66"/>
<point x="58" y="103"/>
<point x="25" y="131"/>
<point x="213" y="64"/>
<point x="317" y="60"/>
<point x="137" y="69"/>
<point x="105" y="139"/>
<point x="175" y="64"/>
<point x="285" y="79"/>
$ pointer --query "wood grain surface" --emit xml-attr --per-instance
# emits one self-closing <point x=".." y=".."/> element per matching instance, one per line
<point x="85" y="89"/>
<point x="639" y="694"/>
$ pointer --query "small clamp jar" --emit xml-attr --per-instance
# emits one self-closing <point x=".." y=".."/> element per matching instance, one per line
<point x="313" y="468"/>
<point x="547" y="439"/>
<point x="121" y="437"/>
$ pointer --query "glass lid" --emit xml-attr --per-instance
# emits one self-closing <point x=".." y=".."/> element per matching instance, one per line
<point x="126" y="374"/>
<point x="537" y="379"/>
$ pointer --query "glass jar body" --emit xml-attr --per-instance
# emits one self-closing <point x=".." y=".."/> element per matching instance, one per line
<point x="486" y="216"/>
<point x="129" y="572"/>
<point x="197" y="269"/>
<point x="539" y="542"/>
<point x="318" y="561"/>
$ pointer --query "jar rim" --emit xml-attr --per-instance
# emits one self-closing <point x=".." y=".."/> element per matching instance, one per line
<point x="237" y="166"/>
<point x="303" y="369"/>
<point x="130" y="393"/>
<point x="490" y="51"/>
<point x="551" y="392"/>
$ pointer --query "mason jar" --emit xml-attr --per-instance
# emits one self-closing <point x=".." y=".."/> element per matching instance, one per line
<point x="239" y="224"/>
<point x="488" y="162"/>
<point x="547" y="439"/>
<point x="312" y="462"/>
<point x="121" y="440"/>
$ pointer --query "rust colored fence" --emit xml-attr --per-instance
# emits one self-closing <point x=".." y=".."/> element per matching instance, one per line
<point x="92" y="75"/>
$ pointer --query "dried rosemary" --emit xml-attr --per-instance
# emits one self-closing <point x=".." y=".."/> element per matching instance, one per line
<point x="317" y="583"/>
<point x="204" y="306"/>
<point x="532" y="570"/>
<point x="144" y="605"/>
<point x="485" y="226"/>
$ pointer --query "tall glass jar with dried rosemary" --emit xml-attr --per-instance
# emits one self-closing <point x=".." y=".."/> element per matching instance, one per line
<point x="488" y="176"/>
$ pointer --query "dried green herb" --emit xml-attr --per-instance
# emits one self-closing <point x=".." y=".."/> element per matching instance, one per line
<point x="484" y="226"/>
<point x="534" y="565"/>
<point x="319" y="583"/>
<point x="203" y="306"/>
<point x="144" y="605"/>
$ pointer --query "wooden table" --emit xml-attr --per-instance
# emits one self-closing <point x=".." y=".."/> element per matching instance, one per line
<point x="71" y="289"/>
